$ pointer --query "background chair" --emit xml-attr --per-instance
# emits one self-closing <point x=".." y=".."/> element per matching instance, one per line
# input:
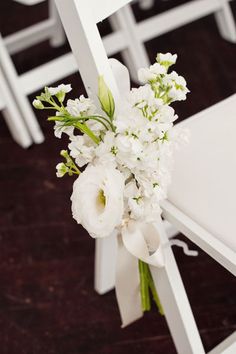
<point x="12" y="115"/>
<point x="184" y="14"/>
<point x="22" y="85"/>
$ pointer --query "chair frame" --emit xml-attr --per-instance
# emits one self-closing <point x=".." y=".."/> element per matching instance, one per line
<point x="82" y="32"/>
<point x="12" y="115"/>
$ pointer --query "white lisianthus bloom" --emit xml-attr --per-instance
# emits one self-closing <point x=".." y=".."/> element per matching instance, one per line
<point x="61" y="88"/>
<point x="97" y="200"/>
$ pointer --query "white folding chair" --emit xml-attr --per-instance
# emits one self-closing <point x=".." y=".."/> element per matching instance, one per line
<point x="22" y="85"/>
<point x="12" y="115"/>
<point x="184" y="14"/>
<point x="80" y="25"/>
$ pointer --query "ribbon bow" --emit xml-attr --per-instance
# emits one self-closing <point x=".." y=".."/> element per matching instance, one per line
<point x="136" y="241"/>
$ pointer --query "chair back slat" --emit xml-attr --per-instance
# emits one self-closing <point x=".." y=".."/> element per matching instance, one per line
<point x="101" y="9"/>
<point x="86" y="43"/>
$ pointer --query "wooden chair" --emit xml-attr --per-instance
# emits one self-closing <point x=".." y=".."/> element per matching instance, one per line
<point x="12" y="115"/>
<point x="183" y="14"/>
<point x="22" y="85"/>
<point x="79" y="18"/>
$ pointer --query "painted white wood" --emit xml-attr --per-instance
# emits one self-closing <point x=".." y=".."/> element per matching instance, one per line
<point x="228" y="346"/>
<point x="21" y="100"/>
<point x="209" y="243"/>
<point x="146" y="4"/>
<point x="12" y="115"/>
<point x="58" y="36"/>
<point x="176" y="306"/>
<point x="65" y="65"/>
<point x="225" y="22"/>
<point x="184" y="14"/>
<point x="86" y="45"/>
<point x="135" y="55"/>
<point x="29" y="2"/>
<point x="29" y="36"/>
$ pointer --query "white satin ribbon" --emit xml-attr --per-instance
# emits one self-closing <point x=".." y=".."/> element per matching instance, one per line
<point x="136" y="241"/>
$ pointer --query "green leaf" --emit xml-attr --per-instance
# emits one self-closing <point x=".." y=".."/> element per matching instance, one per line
<point x="106" y="98"/>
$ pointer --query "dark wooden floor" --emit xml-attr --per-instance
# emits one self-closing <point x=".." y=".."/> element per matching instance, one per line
<point x="47" y="301"/>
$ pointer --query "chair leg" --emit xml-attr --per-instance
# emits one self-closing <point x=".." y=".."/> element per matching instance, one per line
<point x="12" y="116"/>
<point x="176" y="306"/>
<point x="146" y="4"/>
<point x="225" y="21"/>
<point x="58" y="37"/>
<point x="21" y="100"/>
<point x="105" y="263"/>
<point x="135" y="56"/>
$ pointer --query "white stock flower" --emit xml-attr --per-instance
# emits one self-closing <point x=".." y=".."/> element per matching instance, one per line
<point x="62" y="169"/>
<point x="81" y="106"/>
<point x="178" y="89"/>
<point x="60" y="128"/>
<point x="61" y="88"/>
<point x="97" y="200"/>
<point x="149" y="74"/>
<point x="167" y="59"/>
<point x="106" y="151"/>
<point x="82" y="149"/>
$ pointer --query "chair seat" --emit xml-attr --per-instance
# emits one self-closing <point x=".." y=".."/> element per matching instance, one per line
<point x="204" y="176"/>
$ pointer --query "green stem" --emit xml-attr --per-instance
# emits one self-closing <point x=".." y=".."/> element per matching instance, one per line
<point x="145" y="297"/>
<point x="81" y="126"/>
<point x="154" y="292"/>
<point x="85" y="129"/>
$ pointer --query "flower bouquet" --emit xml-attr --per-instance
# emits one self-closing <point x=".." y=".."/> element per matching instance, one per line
<point x="121" y="155"/>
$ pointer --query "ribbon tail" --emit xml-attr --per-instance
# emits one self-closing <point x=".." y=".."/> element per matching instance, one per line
<point x="127" y="285"/>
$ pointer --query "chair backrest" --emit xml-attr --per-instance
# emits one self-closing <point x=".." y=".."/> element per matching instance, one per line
<point x="80" y="18"/>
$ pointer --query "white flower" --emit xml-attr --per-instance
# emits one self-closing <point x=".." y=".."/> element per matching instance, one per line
<point x="38" y="104"/>
<point x="177" y="84"/>
<point x="149" y="74"/>
<point x="145" y="75"/>
<point x="60" y="128"/>
<point x="106" y="151"/>
<point x="81" y="106"/>
<point x="97" y="200"/>
<point x="82" y="149"/>
<point x="61" y="88"/>
<point x="62" y="169"/>
<point x="167" y="59"/>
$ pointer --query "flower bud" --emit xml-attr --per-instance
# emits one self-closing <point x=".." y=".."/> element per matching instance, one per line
<point x="38" y="104"/>
<point x="106" y="98"/>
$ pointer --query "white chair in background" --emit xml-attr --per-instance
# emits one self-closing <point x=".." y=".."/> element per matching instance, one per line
<point x="79" y="18"/>
<point x="12" y="115"/>
<point x="184" y="14"/>
<point x="123" y="39"/>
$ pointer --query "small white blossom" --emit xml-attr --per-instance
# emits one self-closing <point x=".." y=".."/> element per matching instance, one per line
<point x="38" y="104"/>
<point x="61" y="88"/>
<point x="81" y="106"/>
<point x="62" y="169"/>
<point x="82" y="149"/>
<point x="167" y="59"/>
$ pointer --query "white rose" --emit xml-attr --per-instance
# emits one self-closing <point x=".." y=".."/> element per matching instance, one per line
<point x="97" y="200"/>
